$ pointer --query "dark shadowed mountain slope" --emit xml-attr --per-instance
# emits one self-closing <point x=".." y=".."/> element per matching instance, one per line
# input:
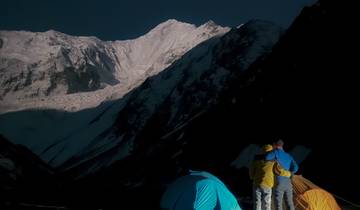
<point x="304" y="92"/>
<point x="24" y="177"/>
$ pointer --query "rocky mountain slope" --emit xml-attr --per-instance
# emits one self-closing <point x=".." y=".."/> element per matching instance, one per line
<point x="94" y="138"/>
<point x="49" y="69"/>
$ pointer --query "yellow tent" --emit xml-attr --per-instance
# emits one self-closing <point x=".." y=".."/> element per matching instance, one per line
<point x="308" y="196"/>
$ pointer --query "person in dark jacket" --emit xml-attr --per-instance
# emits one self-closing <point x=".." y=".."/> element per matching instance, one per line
<point x="283" y="187"/>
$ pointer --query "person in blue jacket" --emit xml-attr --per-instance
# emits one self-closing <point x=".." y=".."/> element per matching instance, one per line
<point x="283" y="187"/>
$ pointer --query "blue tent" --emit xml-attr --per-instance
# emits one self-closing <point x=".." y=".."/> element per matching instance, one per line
<point x="198" y="191"/>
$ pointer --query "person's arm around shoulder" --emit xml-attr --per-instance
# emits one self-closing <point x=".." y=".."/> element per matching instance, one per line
<point x="281" y="171"/>
<point x="270" y="156"/>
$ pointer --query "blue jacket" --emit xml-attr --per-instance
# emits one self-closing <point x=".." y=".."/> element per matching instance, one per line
<point x="284" y="159"/>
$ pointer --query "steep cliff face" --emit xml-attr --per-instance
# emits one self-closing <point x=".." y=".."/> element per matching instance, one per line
<point x="48" y="69"/>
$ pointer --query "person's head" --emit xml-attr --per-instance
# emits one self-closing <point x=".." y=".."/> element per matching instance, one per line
<point x="279" y="144"/>
<point x="267" y="148"/>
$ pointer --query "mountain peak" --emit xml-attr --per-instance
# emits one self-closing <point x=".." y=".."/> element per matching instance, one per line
<point x="54" y="33"/>
<point x="213" y="28"/>
<point x="210" y="23"/>
<point x="172" y="23"/>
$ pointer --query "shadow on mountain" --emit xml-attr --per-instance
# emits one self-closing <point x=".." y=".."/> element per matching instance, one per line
<point x="24" y="177"/>
<point x="63" y="188"/>
<point x="302" y="92"/>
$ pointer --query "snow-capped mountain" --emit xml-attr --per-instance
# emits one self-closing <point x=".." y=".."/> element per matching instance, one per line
<point x="94" y="138"/>
<point x="49" y="69"/>
<point x="293" y="92"/>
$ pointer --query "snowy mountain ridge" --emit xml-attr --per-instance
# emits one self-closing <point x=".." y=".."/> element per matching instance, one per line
<point x="49" y="69"/>
<point x="91" y="139"/>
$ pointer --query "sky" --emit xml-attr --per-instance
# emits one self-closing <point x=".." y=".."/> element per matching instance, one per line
<point x="128" y="19"/>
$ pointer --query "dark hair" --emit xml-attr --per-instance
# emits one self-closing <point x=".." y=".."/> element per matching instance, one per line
<point x="279" y="142"/>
